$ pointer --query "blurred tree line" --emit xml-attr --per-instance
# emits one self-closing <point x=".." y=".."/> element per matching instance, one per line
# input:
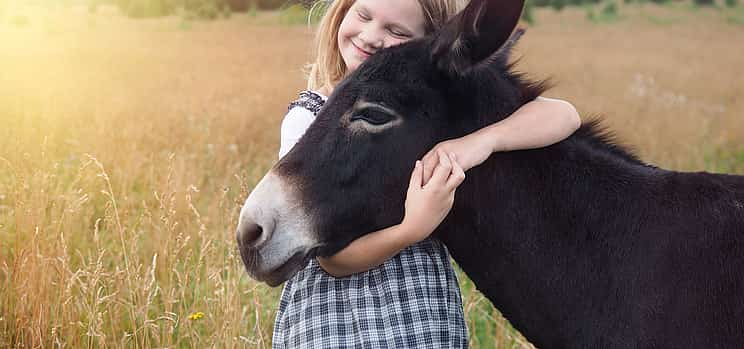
<point x="210" y="9"/>
<point x="204" y="9"/>
<point x="609" y="8"/>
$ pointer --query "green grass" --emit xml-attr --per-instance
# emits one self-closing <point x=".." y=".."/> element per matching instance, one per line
<point x="184" y="24"/>
<point x="253" y="10"/>
<point x="486" y="325"/>
<point x="662" y="20"/>
<point x="605" y="13"/>
<point x="725" y="160"/>
<point x="734" y="15"/>
<point x="735" y="20"/>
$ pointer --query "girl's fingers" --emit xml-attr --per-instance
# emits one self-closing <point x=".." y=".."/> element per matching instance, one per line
<point x="441" y="172"/>
<point x="429" y="162"/>
<point x="416" y="176"/>
<point x="457" y="176"/>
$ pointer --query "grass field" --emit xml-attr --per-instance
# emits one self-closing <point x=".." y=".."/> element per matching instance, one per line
<point x="128" y="146"/>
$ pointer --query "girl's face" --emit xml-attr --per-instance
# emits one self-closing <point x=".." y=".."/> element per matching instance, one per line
<point x="370" y="25"/>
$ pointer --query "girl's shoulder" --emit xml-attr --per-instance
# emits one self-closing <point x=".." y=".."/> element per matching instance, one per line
<point x="309" y="100"/>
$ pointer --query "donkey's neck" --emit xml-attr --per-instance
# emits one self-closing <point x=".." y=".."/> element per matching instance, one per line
<point x="528" y="226"/>
<point x="492" y="94"/>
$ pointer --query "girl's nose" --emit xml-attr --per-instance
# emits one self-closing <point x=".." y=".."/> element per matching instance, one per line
<point x="373" y="40"/>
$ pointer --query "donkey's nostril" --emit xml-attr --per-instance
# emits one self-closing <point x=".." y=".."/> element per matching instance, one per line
<point x="249" y="234"/>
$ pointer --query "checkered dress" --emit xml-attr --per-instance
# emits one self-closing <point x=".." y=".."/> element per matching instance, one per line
<point x="411" y="301"/>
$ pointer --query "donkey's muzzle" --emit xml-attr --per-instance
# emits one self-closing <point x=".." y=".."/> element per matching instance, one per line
<point x="274" y="233"/>
<point x="249" y="235"/>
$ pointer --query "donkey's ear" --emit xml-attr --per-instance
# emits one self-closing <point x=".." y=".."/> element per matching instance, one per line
<point x="475" y="34"/>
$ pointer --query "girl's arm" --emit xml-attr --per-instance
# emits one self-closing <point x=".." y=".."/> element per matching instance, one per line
<point x="536" y="124"/>
<point x="425" y="208"/>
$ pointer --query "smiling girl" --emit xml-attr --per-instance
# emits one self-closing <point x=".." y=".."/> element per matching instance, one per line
<point x="395" y="288"/>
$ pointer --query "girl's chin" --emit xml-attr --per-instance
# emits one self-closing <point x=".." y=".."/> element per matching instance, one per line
<point x="353" y="61"/>
<point x="352" y="64"/>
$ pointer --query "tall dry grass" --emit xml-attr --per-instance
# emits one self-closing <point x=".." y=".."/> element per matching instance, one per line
<point x="127" y="148"/>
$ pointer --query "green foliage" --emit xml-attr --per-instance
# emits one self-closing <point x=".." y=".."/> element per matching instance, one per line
<point x="607" y="13"/>
<point x="206" y="9"/>
<point x="241" y="5"/>
<point x="558" y="4"/>
<point x="528" y="14"/>
<point x="732" y="3"/>
<point x="610" y="10"/>
<point x="298" y="14"/>
<point x="253" y="10"/>
<point x="590" y="15"/>
<point x="705" y="2"/>
<point x="273" y="4"/>
<point x="662" y="20"/>
<point x="295" y="14"/>
<point x="246" y="5"/>
<point x="735" y="19"/>
<point x="147" y="8"/>
<point x="192" y="9"/>
<point x="225" y="12"/>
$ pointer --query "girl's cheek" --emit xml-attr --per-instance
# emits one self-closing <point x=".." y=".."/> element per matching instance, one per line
<point x="394" y="41"/>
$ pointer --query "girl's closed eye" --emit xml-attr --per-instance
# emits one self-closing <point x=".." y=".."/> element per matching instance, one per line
<point x="399" y="33"/>
<point x="364" y="17"/>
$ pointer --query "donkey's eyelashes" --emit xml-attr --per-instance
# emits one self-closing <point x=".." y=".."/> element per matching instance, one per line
<point x="372" y="116"/>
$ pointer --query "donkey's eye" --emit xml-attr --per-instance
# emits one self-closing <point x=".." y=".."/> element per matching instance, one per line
<point x="374" y="117"/>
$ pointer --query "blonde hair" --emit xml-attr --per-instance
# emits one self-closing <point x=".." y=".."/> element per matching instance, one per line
<point x="329" y="67"/>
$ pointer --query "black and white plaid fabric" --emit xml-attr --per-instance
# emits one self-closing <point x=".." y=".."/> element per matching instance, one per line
<point x="308" y="100"/>
<point x="411" y="301"/>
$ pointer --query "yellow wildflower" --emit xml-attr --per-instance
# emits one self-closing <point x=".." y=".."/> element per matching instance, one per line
<point x="196" y="316"/>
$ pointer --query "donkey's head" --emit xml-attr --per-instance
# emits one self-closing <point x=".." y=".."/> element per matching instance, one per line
<point x="348" y="174"/>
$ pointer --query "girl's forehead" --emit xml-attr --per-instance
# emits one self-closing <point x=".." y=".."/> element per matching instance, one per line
<point x="402" y="12"/>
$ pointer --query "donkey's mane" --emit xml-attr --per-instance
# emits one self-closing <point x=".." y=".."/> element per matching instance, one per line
<point x="592" y="132"/>
<point x="598" y="136"/>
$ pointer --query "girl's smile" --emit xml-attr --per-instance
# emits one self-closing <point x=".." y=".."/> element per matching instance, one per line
<point x="364" y="54"/>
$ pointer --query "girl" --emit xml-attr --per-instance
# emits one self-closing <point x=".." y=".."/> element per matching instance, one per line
<point x="394" y="288"/>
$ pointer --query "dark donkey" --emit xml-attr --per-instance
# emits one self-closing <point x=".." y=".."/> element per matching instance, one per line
<point x="580" y="244"/>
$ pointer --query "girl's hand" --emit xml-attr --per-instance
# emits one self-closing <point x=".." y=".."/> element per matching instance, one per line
<point x="470" y="151"/>
<point x="428" y="205"/>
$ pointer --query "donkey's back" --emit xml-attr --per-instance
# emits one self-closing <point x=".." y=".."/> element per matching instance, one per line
<point x="689" y="282"/>
<point x="656" y="262"/>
